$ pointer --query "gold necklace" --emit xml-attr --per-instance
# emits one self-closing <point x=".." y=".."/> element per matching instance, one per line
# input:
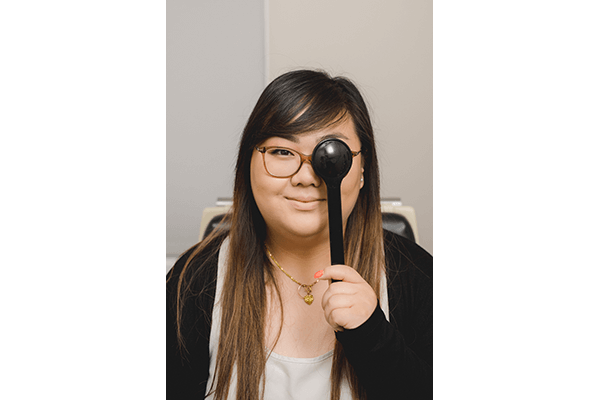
<point x="308" y="298"/>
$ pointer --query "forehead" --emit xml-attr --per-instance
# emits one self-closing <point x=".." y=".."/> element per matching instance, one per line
<point x="344" y="131"/>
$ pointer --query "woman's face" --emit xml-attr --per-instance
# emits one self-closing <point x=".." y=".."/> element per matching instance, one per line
<point x="297" y="206"/>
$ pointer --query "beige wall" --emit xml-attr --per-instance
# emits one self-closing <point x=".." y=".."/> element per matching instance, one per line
<point x="386" y="47"/>
<point x="215" y="73"/>
<point x="220" y="55"/>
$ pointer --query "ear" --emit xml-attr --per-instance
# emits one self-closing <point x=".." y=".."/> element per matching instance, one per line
<point x="362" y="177"/>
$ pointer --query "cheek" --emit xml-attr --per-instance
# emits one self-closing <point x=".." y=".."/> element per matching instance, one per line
<point x="265" y="188"/>
<point x="350" y="189"/>
<point x="257" y="180"/>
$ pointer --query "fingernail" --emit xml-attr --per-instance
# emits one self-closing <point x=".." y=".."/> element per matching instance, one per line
<point x="319" y="274"/>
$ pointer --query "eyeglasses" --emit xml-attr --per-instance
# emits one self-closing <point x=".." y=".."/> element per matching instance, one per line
<point x="281" y="162"/>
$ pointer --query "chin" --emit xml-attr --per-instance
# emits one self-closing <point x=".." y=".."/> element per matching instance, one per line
<point x="303" y="228"/>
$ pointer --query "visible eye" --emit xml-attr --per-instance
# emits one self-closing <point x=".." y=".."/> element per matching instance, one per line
<point x="280" y="152"/>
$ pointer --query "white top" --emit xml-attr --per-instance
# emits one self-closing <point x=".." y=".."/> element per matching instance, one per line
<point x="286" y="377"/>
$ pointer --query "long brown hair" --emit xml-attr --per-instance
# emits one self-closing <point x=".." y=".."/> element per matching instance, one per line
<point x="296" y="102"/>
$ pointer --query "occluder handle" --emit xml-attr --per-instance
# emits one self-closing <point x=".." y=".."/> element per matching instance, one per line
<point x="336" y="234"/>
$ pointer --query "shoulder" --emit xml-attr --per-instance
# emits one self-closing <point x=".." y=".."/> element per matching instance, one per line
<point x="191" y="285"/>
<point x="404" y="255"/>
<point x="198" y="254"/>
<point x="409" y="270"/>
<point x="196" y="268"/>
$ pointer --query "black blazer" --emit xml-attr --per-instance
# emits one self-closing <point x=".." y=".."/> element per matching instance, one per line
<point x="391" y="359"/>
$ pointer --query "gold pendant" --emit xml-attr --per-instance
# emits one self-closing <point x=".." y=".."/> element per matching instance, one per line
<point x="308" y="298"/>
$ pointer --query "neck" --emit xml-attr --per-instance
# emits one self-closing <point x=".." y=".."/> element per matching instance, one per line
<point x="300" y="258"/>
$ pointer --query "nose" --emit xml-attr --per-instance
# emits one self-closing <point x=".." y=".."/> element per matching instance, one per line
<point x="306" y="175"/>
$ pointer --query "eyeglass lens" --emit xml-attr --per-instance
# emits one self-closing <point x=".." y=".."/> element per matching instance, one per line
<point x="282" y="162"/>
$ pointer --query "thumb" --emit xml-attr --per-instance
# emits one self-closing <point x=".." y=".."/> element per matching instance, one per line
<point x="339" y="273"/>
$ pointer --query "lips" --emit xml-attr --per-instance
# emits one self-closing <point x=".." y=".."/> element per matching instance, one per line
<point x="305" y="203"/>
<point x="304" y="199"/>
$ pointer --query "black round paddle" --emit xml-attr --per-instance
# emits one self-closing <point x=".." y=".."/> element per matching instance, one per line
<point x="331" y="160"/>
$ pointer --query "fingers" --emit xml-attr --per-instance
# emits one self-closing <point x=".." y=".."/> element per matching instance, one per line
<point x="339" y="318"/>
<point x="349" y="303"/>
<point x="340" y="273"/>
<point x="336" y="301"/>
<point x="339" y="289"/>
<point x="337" y="311"/>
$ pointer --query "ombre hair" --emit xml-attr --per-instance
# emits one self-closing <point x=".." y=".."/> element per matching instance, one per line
<point x="294" y="103"/>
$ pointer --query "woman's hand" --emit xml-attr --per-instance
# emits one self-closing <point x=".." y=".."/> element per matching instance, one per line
<point x="349" y="303"/>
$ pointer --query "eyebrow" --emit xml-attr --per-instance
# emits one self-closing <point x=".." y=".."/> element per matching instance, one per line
<point x="334" y="135"/>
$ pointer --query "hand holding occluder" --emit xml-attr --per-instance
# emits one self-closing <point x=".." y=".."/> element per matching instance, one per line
<point x="349" y="302"/>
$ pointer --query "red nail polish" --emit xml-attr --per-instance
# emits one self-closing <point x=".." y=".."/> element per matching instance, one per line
<point x="318" y="274"/>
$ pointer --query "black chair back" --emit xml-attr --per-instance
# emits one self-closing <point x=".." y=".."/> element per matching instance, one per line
<point x="391" y="221"/>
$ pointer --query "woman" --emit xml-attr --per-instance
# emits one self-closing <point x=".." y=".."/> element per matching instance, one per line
<point x="251" y="310"/>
